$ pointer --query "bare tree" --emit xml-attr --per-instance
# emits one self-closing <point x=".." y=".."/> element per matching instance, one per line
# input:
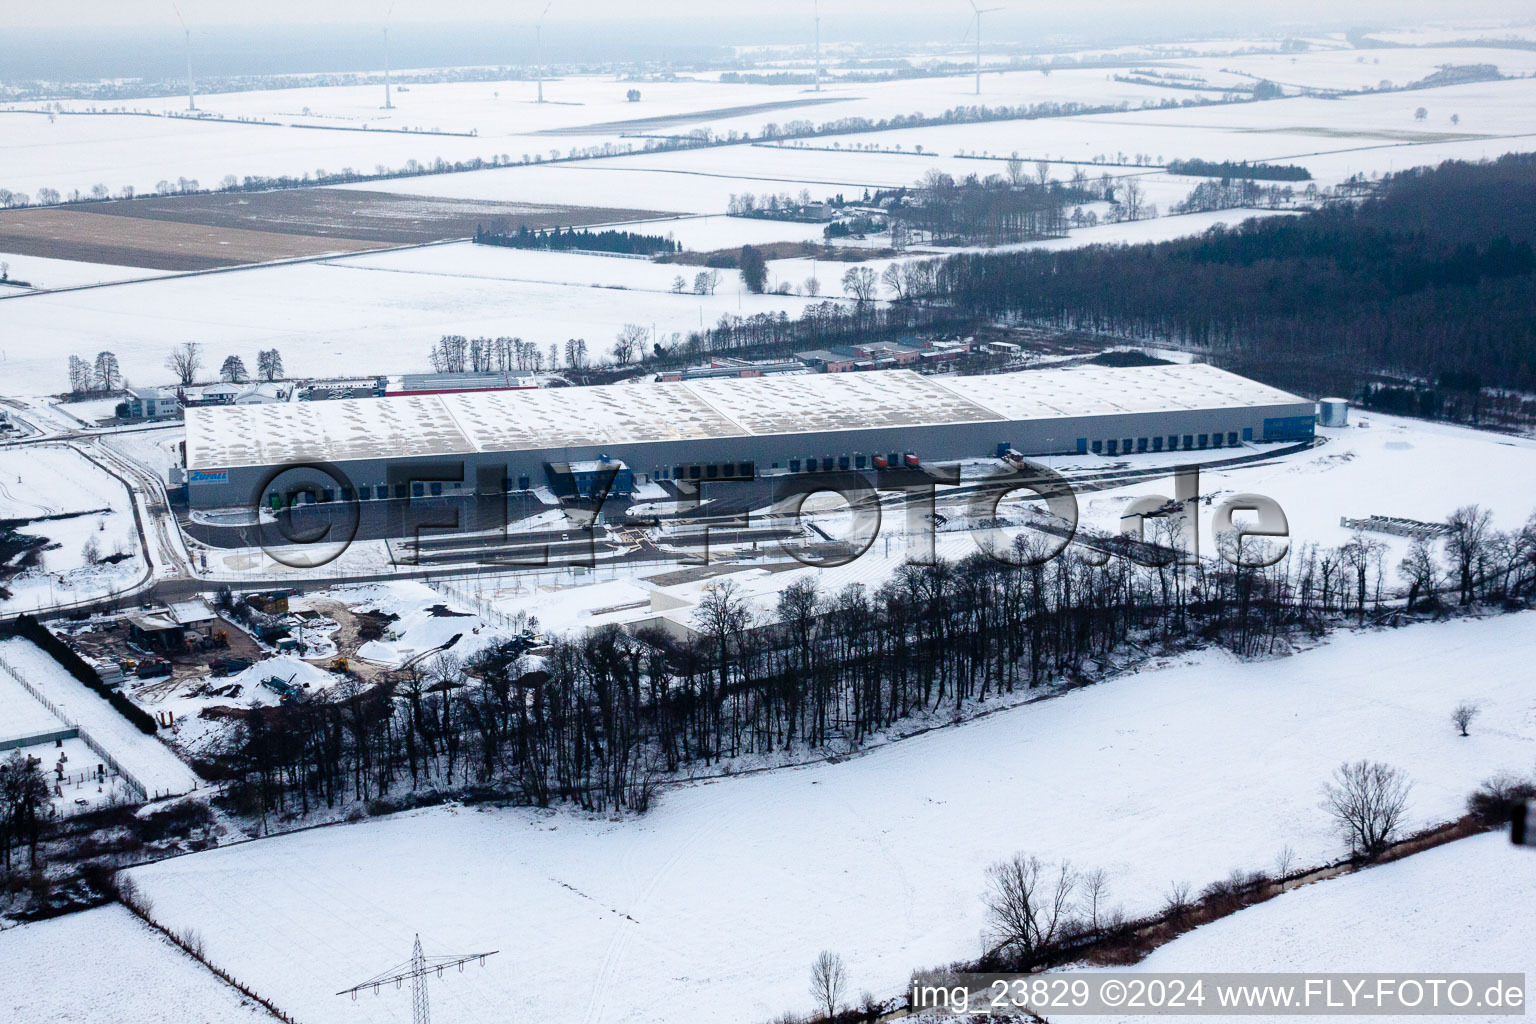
<point x="630" y="341"/>
<point x="185" y="360"/>
<point x="1285" y="863"/>
<point x="269" y="363"/>
<point x="1368" y="800"/>
<point x="79" y="375"/>
<point x="859" y="283"/>
<point x="1027" y="906"/>
<point x="918" y="276"/>
<point x="108" y="376"/>
<point x="1418" y="570"/>
<point x="1015" y="166"/>
<point x="1466" y="542"/>
<point x="1362" y="554"/>
<point x="812" y="286"/>
<point x="828" y="978"/>
<point x="1132" y="199"/>
<point x="1176" y="904"/>
<point x="893" y="279"/>
<point x="23" y="806"/>
<point x="1462" y="715"/>
<point x="1095" y="886"/>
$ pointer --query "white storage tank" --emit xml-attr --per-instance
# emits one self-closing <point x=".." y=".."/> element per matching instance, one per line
<point x="1333" y="412"/>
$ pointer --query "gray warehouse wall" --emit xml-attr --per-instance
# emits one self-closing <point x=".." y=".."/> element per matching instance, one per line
<point x="938" y="443"/>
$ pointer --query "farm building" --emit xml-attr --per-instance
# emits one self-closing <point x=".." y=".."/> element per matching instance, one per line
<point x="725" y="429"/>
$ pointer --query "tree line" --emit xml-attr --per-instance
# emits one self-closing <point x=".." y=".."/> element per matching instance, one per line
<point x="1240" y="169"/>
<point x="603" y="716"/>
<point x="607" y="240"/>
<point x="104" y="375"/>
<point x="1430" y="276"/>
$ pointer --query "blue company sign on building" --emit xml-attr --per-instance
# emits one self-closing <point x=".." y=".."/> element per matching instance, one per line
<point x="208" y="476"/>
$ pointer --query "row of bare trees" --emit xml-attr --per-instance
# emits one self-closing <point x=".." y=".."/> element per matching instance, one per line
<point x="607" y="714"/>
<point x="454" y="353"/>
<point x="104" y="375"/>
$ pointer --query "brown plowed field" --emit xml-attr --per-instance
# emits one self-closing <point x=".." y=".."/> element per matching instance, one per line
<point x="201" y="232"/>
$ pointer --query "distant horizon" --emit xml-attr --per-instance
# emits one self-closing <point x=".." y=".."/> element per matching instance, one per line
<point x="155" y="50"/>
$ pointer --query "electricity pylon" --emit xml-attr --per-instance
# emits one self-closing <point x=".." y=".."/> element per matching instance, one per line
<point x="416" y="971"/>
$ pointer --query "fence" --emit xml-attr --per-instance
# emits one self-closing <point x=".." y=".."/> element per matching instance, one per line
<point x="38" y="739"/>
<point x="134" y="786"/>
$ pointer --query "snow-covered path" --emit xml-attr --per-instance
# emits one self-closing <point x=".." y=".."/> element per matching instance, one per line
<point x="150" y="762"/>
<point x="713" y="905"/>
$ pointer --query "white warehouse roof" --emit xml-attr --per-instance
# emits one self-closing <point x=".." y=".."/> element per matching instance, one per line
<point x="228" y="437"/>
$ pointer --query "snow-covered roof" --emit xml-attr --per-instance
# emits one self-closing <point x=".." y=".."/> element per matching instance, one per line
<point x="225" y="437"/>
<point x="185" y="613"/>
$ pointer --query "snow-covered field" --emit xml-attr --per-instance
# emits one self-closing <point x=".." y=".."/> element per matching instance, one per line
<point x="42" y="273"/>
<point x="21" y="715"/>
<point x="1291" y="130"/>
<point x="106" y="964"/>
<point x="645" y="181"/>
<point x="393" y="306"/>
<point x="54" y="480"/>
<point x="117" y="150"/>
<point x="380" y="315"/>
<point x="713" y="904"/>
<point x="1456" y="908"/>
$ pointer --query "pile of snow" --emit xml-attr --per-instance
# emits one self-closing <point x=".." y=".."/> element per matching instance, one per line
<point x="285" y="666"/>
<point x="426" y="620"/>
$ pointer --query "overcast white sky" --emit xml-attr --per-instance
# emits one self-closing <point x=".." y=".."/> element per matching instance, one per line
<point x="43" y="13"/>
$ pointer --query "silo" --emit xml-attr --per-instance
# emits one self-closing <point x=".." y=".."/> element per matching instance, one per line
<point x="1333" y="412"/>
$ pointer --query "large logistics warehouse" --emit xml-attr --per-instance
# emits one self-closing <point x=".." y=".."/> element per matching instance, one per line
<point x="722" y="429"/>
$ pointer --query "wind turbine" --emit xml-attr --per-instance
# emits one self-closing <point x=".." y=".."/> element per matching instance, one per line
<point x="187" y="35"/>
<point x="979" y="12"/>
<point x="538" y="47"/>
<point x="387" y="104"/>
<point x="816" y="8"/>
